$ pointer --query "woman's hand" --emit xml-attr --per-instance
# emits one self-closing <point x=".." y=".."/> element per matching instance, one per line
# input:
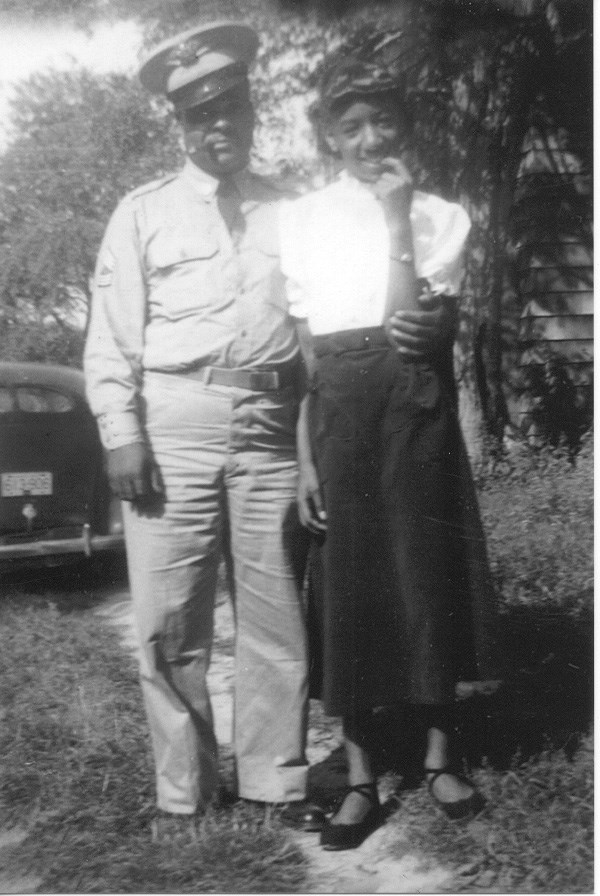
<point x="394" y="189"/>
<point x="310" y="502"/>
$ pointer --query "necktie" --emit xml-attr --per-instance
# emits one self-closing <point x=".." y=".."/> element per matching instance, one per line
<point x="229" y="203"/>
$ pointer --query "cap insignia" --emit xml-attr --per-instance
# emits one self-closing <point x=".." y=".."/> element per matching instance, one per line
<point x="187" y="53"/>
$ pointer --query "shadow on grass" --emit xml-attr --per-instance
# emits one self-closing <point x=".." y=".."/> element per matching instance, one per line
<point x="71" y="585"/>
<point x="76" y="584"/>
<point x="545" y="703"/>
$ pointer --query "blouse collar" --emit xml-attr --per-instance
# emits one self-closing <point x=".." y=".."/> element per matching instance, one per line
<point x="353" y="184"/>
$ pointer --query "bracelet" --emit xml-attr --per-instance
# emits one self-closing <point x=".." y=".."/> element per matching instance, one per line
<point x="405" y="258"/>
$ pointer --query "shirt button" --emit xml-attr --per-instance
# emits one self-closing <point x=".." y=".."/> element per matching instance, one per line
<point x="243" y="333"/>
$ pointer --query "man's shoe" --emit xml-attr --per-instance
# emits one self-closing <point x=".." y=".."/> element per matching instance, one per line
<point x="303" y="816"/>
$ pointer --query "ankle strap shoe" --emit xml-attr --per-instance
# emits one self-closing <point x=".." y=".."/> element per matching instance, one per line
<point x="458" y="810"/>
<point x="350" y="836"/>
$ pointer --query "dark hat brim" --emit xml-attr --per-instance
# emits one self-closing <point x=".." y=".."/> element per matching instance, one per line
<point x="209" y="88"/>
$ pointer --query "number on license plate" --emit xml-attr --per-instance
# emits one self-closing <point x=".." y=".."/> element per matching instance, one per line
<point x="17" y="485"/>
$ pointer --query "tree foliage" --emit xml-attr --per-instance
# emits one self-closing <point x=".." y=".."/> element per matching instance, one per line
<point x="520" y="76"/>
<point x="480" y="74"/>
<point x="82" y="141"/>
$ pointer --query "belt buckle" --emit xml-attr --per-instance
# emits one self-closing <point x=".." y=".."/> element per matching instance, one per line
<point x="264" y="380"/>
<point x="207" y="375"/>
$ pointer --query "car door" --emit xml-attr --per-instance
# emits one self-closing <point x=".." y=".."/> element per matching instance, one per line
<point x="50" y="459"/>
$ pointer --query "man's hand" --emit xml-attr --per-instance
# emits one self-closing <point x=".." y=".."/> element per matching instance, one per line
<point x="419" y="333"/>
<point x="132" y="472"/>
<point x="310" y="502"/>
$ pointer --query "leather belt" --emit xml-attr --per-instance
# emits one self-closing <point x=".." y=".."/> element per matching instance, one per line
<point x="255" y="379"/>
<point x="350" y="341"/>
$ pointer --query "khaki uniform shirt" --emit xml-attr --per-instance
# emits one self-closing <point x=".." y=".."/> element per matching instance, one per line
<point x="174" y="291"/>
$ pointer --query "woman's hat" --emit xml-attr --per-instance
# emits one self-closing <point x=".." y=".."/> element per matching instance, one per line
<point x="353" y="76"/>
<point x="200" y="64"/>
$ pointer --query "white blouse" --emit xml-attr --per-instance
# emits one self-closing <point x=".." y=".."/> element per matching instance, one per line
<point x="335" y="253"/>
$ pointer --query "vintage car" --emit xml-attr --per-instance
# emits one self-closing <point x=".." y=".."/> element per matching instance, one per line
<point x="54" y="496"/>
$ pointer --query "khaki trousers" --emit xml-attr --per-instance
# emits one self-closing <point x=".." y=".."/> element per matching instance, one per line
<point x="227" y="461"/>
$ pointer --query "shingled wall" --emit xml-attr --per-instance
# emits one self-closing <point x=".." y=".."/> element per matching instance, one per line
<point x="552" y="223"/>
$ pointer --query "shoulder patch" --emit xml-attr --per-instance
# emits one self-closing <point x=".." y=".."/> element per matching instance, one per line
<point x="106" y="266"/>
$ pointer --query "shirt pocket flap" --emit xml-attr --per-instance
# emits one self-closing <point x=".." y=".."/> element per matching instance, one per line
<point x="267" y="243"/>
<point x="174" y="248"/>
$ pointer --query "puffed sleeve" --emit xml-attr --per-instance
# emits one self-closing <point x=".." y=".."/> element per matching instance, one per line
<point x="290" y="240"/>
<point x="114" y="344"/>
<point x="440" y="231"/>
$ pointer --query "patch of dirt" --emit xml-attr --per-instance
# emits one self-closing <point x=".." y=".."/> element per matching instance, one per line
<point x="384" y="863"/>
<point x="12" y="881"/>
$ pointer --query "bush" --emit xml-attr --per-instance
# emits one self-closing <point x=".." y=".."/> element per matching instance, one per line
<point x="537" y="508"/>
<point x="560" y="412"/>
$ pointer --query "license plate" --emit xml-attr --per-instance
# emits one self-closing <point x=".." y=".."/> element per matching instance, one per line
<point x="19" y="485"/>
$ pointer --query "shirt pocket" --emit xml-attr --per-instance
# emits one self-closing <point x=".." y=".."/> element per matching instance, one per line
<point x="260" y="249"/>
<point x="176" y="246"/>
<point x="183" y="272"/>
<point x="266" y="242"/>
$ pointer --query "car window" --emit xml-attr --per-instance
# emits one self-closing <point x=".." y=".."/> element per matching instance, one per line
<point x="7" y="402"/>
<point x="37" y="400"/>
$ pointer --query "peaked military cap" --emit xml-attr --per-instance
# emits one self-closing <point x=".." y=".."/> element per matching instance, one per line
<point x="200" y="64"/>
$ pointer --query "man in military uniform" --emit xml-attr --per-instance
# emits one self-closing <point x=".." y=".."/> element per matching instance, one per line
<point x="193" y="372"/>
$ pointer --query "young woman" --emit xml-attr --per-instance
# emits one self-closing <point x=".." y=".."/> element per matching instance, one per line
<point x="408" y="601"/>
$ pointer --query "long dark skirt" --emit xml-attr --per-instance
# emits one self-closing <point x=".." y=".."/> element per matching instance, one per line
<point x="404" y="598"/>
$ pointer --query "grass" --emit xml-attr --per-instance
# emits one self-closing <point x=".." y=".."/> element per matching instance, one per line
<point x="537" y="839"/>
<point x="77" y="770"/>
<point x="538" y="513"/>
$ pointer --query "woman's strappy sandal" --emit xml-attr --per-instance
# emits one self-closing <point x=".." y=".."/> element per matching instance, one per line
<point x="349" y="836"/>
<point x="458" y="810"/>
